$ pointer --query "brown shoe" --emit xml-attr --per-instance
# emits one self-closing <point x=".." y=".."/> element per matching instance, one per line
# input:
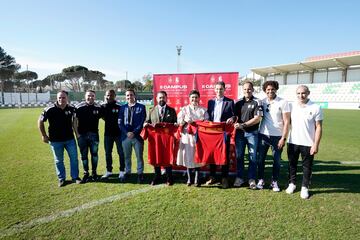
<point x="211" y="181"/>
<point x="225" y="183"/>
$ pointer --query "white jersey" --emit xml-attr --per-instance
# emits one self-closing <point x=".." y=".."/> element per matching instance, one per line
<point x="272" y="123"/>
<point x="303" y="120"/>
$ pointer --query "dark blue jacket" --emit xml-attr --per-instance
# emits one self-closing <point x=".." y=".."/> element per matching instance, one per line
<point x="138" y="119"/>
<point x="228" y="109"/>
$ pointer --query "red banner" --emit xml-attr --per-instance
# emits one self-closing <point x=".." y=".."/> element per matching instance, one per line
<point x="178" y="87"/>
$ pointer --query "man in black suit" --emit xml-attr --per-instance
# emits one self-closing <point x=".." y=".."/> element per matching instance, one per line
<point x="161" y="113"/>
<point x="221" y="109"/>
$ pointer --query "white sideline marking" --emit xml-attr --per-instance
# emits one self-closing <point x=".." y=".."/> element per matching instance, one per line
<point x="67" y="213"/>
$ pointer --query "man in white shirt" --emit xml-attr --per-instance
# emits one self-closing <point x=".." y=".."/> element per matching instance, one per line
<point x="304" y="138"/>
<point x="273" y="131"/>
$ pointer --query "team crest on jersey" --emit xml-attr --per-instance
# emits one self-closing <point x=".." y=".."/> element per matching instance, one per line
<point x="310" y="113"/>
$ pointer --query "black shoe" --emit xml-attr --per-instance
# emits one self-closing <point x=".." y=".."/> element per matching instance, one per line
<point x="169" y="181"/>
<point x="140" y="178"/>
<point x="86" y="178"/>
<point x="155" y="181"/>
<point x="225" y="183"/>
<point x="94" y="176"/>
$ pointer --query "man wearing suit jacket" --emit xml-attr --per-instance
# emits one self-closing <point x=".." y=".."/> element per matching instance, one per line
<point x="161" y="113"/>
<point x="221" y="109"/>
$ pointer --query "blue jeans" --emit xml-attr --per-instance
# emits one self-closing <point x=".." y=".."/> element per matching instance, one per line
<point x="58" y="151"/>
<point x="109" y="144"/>
<point x="138" y="145"/>
<point x="263" y="146"/>
<point x="243" y="139"/>
<point x="88" y="141"/>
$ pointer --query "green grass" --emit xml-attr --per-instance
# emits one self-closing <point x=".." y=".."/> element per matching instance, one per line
<point x="28" y="191"/>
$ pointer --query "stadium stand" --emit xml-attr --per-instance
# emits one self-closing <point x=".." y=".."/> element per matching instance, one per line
<point x="333" y="80"/>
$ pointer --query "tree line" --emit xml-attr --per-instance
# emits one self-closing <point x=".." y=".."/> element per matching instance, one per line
<point x="74" y="78"/>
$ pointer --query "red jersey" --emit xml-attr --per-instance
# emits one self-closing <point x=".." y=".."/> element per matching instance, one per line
<point x="161" y="144"/>
<point x="211" y="142"/>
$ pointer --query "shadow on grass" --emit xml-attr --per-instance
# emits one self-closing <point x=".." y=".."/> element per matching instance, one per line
<point x="327" y="177"/>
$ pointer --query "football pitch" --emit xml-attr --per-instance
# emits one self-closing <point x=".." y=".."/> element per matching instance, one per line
<point x="33" y="207"/>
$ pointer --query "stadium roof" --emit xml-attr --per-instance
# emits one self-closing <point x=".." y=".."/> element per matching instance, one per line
<point x="342" y="61"/>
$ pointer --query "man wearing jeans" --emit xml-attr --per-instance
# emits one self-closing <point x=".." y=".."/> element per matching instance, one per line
<point x="131" y="119"/>
<point x="111" y="111"/>
<point x="249" y="112"/>
<point x="87" y="115"/>
<point x="304" y="138"/>
<point x="60" y="116"/>
<point x="273" y="131"/>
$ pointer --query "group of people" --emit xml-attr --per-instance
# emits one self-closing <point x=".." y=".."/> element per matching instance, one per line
<point x="257" y="124"/>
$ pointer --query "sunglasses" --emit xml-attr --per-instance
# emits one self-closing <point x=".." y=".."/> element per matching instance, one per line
<point x="267" y="108"/>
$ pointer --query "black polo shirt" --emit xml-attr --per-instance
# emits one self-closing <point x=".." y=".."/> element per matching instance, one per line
<point x="246" y="110"/>
<point x="60" y="122"/>
<point x="88" y="117"/>
<point x="111" y="116"/>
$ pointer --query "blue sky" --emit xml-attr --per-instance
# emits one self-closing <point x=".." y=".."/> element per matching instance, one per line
<point x="140" y="36"/>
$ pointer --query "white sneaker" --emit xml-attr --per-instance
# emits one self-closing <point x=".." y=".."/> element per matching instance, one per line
<point x="122" y="174"/>
<point x="106" y="175"/>
<point x="275" y="186"/>
<point x="304" y="194"/>
<point x="291" y="188"/>
<point x="252" y="184"/>
<point x="261" y="184"/>
<point x="238" y="182"/>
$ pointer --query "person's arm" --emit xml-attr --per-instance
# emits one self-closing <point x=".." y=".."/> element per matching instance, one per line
<point x="318" y="133"/>
<point x="285" y="130"/>
<point x="231" y="119"/>
<point x="141" y="119"/>
<point x="148" y="118"/>
<point x="76" y="127"/>
<point x="41" y="126"/>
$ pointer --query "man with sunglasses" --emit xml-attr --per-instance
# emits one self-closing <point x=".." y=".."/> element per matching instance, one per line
<point x="273" y="131"/>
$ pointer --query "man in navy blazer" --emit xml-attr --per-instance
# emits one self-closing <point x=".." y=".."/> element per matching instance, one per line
<point x="131" y="119"/>
<point x="221" y="109"/>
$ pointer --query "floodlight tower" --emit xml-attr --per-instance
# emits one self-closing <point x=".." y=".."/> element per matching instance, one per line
<point x="178" y="48"/>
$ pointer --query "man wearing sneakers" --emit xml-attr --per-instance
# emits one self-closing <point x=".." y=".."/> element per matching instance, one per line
<point x="273" y="131"/>
<point x="112" y="133"/>
<point x="61" y="137"/>
<point x="249" y="112"/>
<point x="131" y="119"/>
<point x="87" y="115"/>
<point x="304" y="138"/>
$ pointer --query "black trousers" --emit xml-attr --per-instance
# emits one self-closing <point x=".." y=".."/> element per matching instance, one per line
<point x="224" y="168"/>
<point x="294" y="151"/>
<point x="168" y="171"/>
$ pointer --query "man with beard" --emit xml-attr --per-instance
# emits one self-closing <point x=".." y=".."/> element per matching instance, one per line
<point x="87" y="115"/>
<point x="112" y="134"/>
<point x="161" y="113"/>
